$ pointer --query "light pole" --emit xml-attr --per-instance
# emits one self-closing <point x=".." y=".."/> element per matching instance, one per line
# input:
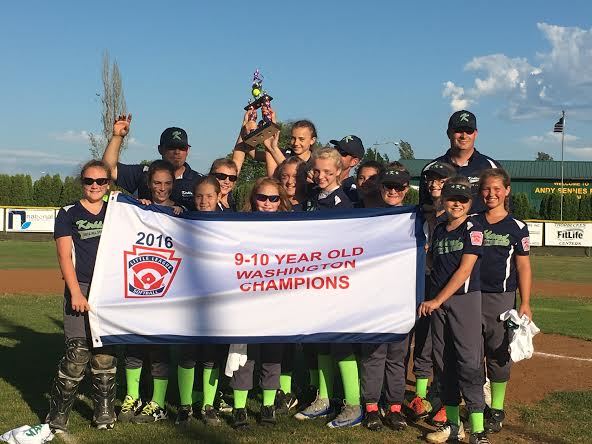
<point x="388" y="142"/>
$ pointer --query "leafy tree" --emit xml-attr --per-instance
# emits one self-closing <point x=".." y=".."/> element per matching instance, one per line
<point x="585" y="208"/>
<point x="554" y="207"/>
<point x="113" y="103"/>
<point x="43" y="191"/>
<point x="521" y="206"/>
<point x="570" y="207"/>
<point x="412" y="197"/>
<point x="405" y="151"/>
<point x="5" y="186"/>
<point x="71" y="191"/>
<point x="544" y="157"/>
<point x="21" y="190"/>
<point x="373" y="154"/>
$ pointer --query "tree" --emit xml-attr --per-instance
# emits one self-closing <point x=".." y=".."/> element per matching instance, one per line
<point x="585" y="210"/>
<point x="113" y="102"/>
<point x="521" y="206"/>
<point x="373" y="154"/>
<point x="544" y="157"/>
<point x="43" y="191"/>
<point x="554" y="207"/>
<point x="412" y="197"/>
<point x="21" y="190"/>
<point x="71" y="191"/>
<point x="405" y="151"/>
<point x="5" y="185"/>
<point x="570" y="207"/>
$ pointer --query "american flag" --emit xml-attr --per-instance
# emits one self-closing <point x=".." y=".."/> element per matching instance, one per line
<point x="558" y="128"/>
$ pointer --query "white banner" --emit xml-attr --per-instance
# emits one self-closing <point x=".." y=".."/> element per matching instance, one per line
<point x="35" y="220"/>
<point x="335" y="276"/>
<point x="535" y="231"/>
<point x="572" y="234"/>
<point x="1" y="219"/>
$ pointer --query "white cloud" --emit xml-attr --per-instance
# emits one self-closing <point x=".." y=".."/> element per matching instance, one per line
<point x="550" y="138"/>
<point x="34" y="157"/>
<point x="72" y="136"/>
<point x="558" y="79"/>
<point x="583" y="153"/>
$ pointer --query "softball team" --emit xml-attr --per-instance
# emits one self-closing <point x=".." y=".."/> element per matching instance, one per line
<point x="457" y="335"/>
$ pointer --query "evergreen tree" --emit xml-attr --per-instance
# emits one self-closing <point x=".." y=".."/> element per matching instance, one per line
<point x="412" y="197"/>
<point x="543" y="206"/>
<point x="71" y="191"/>
<point x="554" y="207"/>
<point x="585" y="208"/>
<point x="570" y="207"/>
<point x="5" y="187"/>
<point x="43" y="192"/>
<point x="521" y="206"/>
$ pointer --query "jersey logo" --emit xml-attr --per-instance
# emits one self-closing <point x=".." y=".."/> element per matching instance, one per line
<point x="149" y="272"/>
<point x="476" y="238"/>
<point x="526" y="243"/>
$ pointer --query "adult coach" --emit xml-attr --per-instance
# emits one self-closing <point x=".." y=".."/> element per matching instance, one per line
<point x="352" y="151"/>
<point x="462" y="155"/>
<point x="173" y="147"/>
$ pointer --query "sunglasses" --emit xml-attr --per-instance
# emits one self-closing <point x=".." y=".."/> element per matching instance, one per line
<point x="461" y="199"/>
<point x="222" y="176"/>
<point x="172" y="148"/>
<point x="464" y="130"/>
<point x="263" y="197"/>
<point x="100" y="181"/>
<point x="342" y="153"/>
<point x="394" y="186"/>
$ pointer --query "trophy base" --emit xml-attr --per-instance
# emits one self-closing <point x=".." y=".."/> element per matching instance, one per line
<point x="259" y="102"/>
<point x="262" y="133"/>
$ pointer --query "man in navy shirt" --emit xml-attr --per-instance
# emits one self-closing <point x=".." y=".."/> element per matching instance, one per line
<point x="173" y="147"/>
<point x="462" y="132"/>
<point x="352" y="151"/>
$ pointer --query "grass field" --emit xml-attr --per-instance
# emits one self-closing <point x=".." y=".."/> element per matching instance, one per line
<point x="31" y="342"/>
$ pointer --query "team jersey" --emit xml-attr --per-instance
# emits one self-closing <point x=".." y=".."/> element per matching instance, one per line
<point x="502" y="241"/>
<point x="336" y="199"/>
<point x="231" y="204"/>
<point x="447" y="249"/>
<point x="476" y="164"/>
<point x="85" y="228"/>
<point x="134" y="178"/>
<point x="351" y="190"/>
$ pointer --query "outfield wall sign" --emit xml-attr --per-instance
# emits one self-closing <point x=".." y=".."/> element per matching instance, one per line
<point x="33" y="220"/>
<point x="1" y="219"/>
<point x="535" y="230"/>
<point x="572" y="234"/>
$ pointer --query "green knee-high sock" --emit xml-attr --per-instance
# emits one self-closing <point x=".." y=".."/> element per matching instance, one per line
<point x="351" y="381"/>
<point x="476" y="420"/>
<point x="269" y="397"/>
<point x="453" y="414"/>
<point x="240" y="398"/>
<point x="313" y="375"/>
<point x="498" y="394"/>
<point x="210" y="384"/>
<point x="325" y="376"/>
<point x="286" y="382"/>
<point x="421" y="387"/>
<point x="159" y="391"/>
<point x="132" y="379"/>
<point x="185" y="377"/>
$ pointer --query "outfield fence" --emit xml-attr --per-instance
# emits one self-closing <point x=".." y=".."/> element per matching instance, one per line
<point x="543" y="233"/>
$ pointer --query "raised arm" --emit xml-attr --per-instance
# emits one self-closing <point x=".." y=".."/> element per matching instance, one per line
<point x="121" y="128"/>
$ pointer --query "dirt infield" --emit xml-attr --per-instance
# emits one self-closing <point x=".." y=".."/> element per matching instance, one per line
<point x="32" y="281"/>
<point x="562" y="289"/>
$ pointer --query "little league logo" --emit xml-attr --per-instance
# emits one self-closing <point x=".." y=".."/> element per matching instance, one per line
<point x="149" y="272"/>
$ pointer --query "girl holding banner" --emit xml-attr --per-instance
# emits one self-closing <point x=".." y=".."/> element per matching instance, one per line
<point x="161" y="176"/>
<point x="267" y="195"/>
<point x="77" y="232"/>
<point x="206" y="196"/>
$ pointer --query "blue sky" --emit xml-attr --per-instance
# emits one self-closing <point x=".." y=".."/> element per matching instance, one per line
<point x="382" y="70"/>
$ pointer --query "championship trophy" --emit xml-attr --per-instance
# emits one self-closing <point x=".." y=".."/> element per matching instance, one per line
<point x="265" y="128"/>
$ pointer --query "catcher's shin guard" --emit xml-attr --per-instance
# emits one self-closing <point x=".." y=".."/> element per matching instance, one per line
<point x="104" y="387"/>
<point x="65" y="385"/>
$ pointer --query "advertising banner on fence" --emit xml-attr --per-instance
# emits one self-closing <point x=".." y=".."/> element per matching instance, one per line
<point x="1" y="219"/>
<point x="33" y="220"/>
<point x="568" y="234"/>
<point x="333" y="276"/>
<point x="535" y="230"/>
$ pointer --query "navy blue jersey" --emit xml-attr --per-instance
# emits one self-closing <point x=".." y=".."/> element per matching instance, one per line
<point x="85" y="228"/>
<point x="337" y="199"/>
<point x="351" y="190"/>
<point x="134" y="178"/>
<point x="447" y="249"/>
<point x="502" y="241"/>
<point x="231" y="204"/>
<point x="476" y="164"/>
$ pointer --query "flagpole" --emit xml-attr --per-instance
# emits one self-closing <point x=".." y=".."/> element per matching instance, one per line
<point x="562" y="139"/>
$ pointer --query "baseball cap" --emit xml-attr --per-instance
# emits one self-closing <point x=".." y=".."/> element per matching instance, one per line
<point x="441" y="169"/>
<point x="456" y="190"/>
<point x="401" y="177"/>
<point x="174" y="138"/>
<point x="462" y="119"/>
<point x="351" y="145"/>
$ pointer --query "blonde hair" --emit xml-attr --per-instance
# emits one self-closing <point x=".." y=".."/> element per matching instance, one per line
<point x="329" y="153"/>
